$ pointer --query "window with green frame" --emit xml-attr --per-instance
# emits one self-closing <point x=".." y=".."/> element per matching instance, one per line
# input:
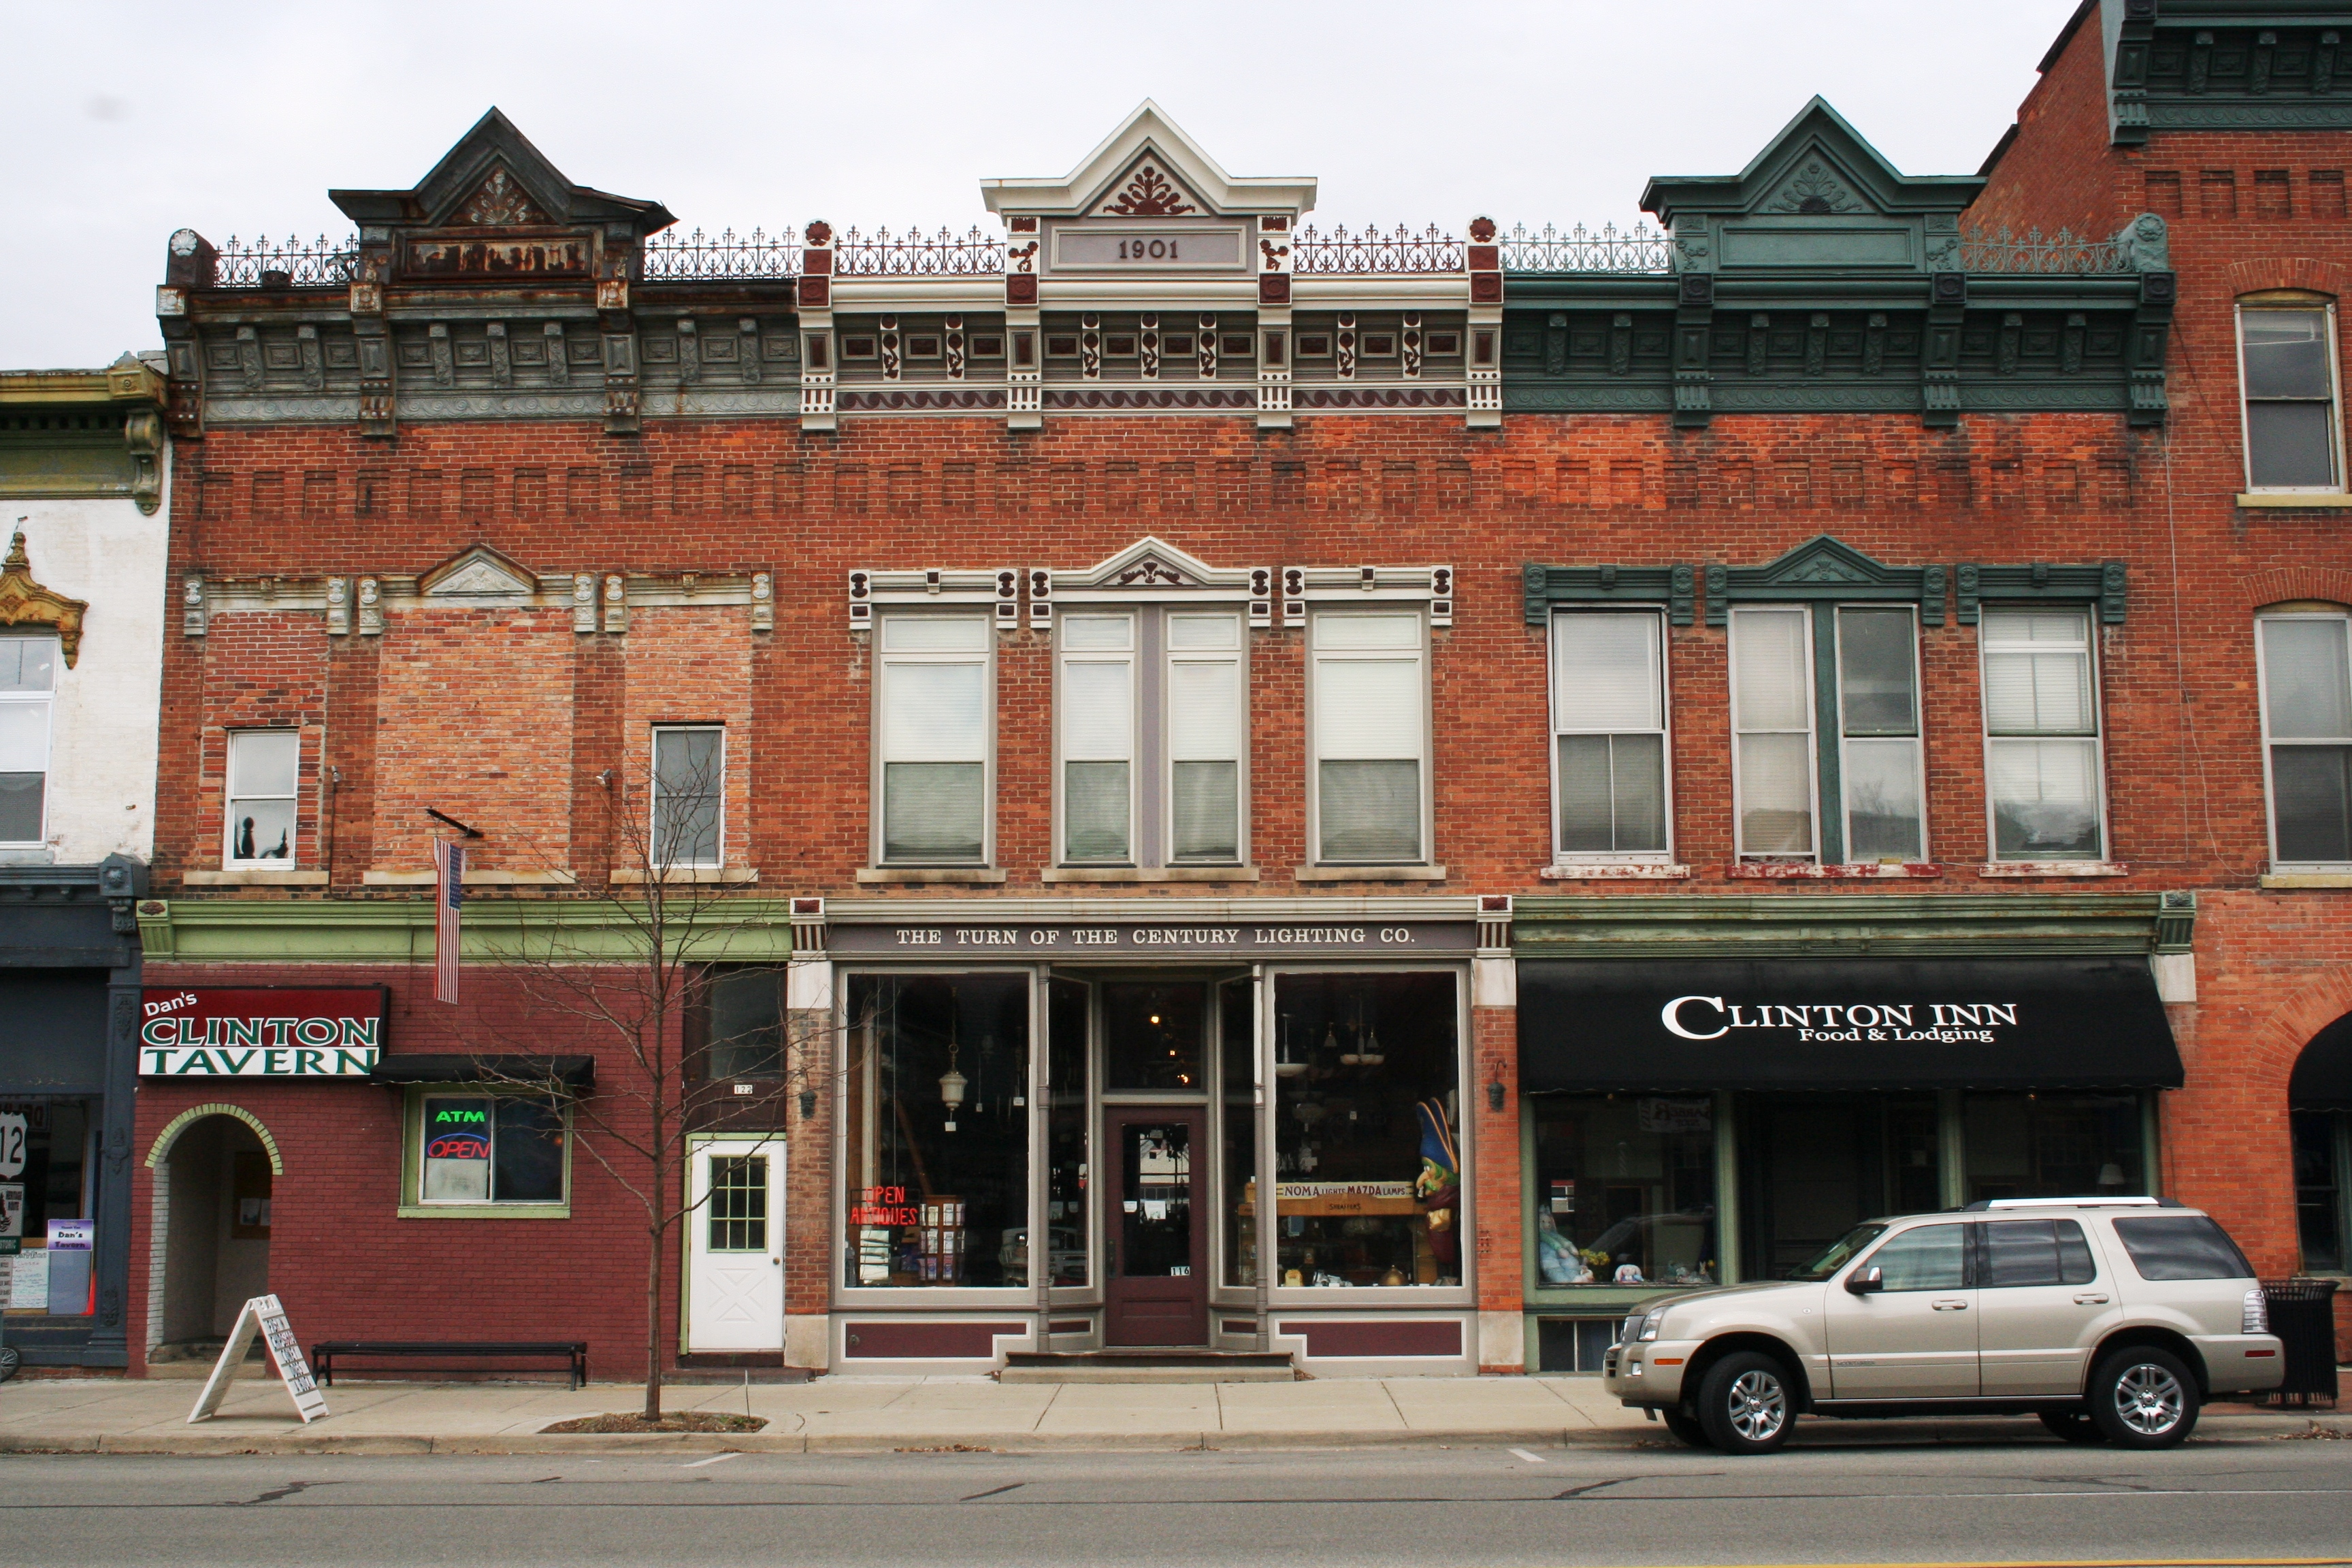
<point x="475" y="1149"/>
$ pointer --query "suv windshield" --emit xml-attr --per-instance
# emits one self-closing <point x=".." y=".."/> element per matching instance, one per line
<point x="1841" y="1253"/>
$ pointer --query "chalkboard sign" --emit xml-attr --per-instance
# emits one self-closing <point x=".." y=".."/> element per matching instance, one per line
<point x="266" y="1316"/>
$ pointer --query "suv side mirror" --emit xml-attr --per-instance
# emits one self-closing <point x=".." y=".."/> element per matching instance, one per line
<point x="1867" y="1281"/>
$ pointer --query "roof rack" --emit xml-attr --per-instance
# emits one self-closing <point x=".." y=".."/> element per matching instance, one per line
<point x="1981" y="1205"/>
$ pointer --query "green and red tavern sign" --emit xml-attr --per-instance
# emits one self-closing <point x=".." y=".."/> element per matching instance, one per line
<point x="263" y="1031"/>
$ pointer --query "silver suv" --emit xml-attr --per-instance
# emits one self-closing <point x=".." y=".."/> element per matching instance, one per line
<point x="2112" y="1319"/>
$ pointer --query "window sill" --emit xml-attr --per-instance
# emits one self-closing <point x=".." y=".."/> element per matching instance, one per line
<point x="1812" y="870"/>
<point x="1614" y="871"/>
<point x="1369" y="874"/>
<point x="927" y="875"/>
<point x="473" y="878"/>
<point x="2290" y="498"/>
<point x="483" y="1211"/>
<point x="1149" y="873"/>
<point x="2053" y="868"/>
<point x="689" y="876"/>
<point x="2284" y="881"/>
<point x="253" y="877"/>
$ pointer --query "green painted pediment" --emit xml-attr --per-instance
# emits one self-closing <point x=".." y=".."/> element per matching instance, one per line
<point x="1825" y="568"/>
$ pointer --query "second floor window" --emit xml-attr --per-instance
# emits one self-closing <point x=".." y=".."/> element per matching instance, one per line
<point x="2288" y="368"/>
<point x="1608" y="722"/>
<point x="2042" y="734"/>
<point x="263" y="767"/>
<point x="1370" y="727"/>
<point x="2307" y="686"/>
<point x="689" y="795"/>
<point x="28" y="679"/>
<point x="931" y="722"/>
<point x="1150" y="708"/>
<point x="1867" y="761"/>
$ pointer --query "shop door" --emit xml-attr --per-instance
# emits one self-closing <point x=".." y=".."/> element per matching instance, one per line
<point x="1155" y="1274"/>
<point x="735" y="1247"/>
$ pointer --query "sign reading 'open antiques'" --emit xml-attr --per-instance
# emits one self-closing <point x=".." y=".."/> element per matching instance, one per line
<point x="260" y="1032"/>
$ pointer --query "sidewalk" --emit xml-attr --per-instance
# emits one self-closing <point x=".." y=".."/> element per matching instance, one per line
<point x="846" y="1415"/>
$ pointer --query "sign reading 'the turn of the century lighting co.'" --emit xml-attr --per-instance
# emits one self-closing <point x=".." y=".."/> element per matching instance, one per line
<point x="1160" y="941"/>
<point x="260" y="1032"/>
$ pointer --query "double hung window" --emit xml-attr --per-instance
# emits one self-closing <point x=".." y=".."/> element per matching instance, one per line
<point x="28" y="679"/>
<point x="1151" y="733"/>
<point x="1609" y="725"/>
<point x="1370" y="729"/>
<point x="1859" y="666"/>
<point x="689" y="794"/>
<point x="932" y="707"/>
<point x="263" y="768"/>
<point x="2042" y="734"/>
<point x="2306" y="687"/>
<point x="2287" y="358"/>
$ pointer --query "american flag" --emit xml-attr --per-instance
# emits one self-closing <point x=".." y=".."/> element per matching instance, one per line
<point x="448" y="904"/>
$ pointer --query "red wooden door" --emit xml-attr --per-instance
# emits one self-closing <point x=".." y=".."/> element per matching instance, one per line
<point x="1155" y="1280"/>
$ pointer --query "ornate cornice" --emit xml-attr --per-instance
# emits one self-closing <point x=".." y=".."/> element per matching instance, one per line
<point x="24" y="603"/>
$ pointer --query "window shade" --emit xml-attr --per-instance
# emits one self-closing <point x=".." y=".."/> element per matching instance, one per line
<point x="1773" y="668"/>
<point x="24" y="737"/>
<point x="934" y="712"/>
<point x="1775" y="796"/>
<point x="1605" y="671"/>
<point x="1368" y="708"/>
<point x="2286" y="353"/>
<point x="2306" y="679"/>
<point x="1204" y="714"/>
<point x="263" y="761"/>
<point x="2037" y="675"/>
<point x="1097" y="710"/>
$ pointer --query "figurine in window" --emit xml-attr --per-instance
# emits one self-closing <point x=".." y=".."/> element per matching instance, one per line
<point x="1439" y="1185"/>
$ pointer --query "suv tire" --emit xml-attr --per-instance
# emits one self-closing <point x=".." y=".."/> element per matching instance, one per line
<point x="2143" y="1398"/>
<point x="1686" y="1426"/>
<point x="1745" y="1405"/>
<point x="2073" y="1427"/>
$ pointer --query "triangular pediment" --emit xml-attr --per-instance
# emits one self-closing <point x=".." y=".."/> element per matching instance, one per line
<point x="1148" y="167"/>
<point x="1825" y="561"/>
<point x="493" y="177"/>
<point x="1150" y="562"/>
<point x="1819" y="165"/>
<point x="480" y="572"/>
<point x="1824" y="570"/>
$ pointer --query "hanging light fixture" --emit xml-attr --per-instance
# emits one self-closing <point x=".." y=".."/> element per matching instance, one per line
<point x="951" y="1082"/>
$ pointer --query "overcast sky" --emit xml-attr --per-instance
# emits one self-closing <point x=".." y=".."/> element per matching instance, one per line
<point x="124" y="121"/>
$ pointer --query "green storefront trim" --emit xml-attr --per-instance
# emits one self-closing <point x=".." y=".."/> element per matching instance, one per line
<point x="731" y="930"/>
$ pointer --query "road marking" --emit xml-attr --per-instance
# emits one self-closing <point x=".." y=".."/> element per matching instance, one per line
<point x="1530" y="1459"/>
<point x="714" y="1459"/>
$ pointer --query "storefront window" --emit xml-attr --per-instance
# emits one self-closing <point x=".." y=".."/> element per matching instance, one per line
<point x="1625" y="1191"/>
<point x="1066" y="1124"/>
<point x="1368" y="1168"/>
<point x="52" y="1138"/>
<point x="937" y="1157"/>
<point x="2322" y="1140"/>
<point x="2054" y="1146"/>
<point x="1239" y="1080"/>
<point x="1813" y="1166"/>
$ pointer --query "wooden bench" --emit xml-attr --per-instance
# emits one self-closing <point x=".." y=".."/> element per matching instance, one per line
<point x="573" y="1353"/>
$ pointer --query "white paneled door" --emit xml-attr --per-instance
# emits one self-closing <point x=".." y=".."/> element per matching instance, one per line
<point x="735" y="1246"/>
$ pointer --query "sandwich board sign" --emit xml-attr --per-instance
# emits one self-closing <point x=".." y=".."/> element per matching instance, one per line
<point x="265" y="1315"/>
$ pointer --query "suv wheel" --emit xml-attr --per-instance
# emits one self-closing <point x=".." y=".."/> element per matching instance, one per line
<point x="2073" y="1426"/>
<point x="1686" y="1426"/>
<point x="1743" y="1404"/>
<point x="2143" y="1398"/>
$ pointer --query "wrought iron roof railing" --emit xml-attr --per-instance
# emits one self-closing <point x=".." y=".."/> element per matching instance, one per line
<point x="289" y="263"/>
<point x="672" y="256"/>
<point x="917" y="255"/>
<point x="2060" y="253"/>
<point x="1371" y="252"/>
<point x="1638" y="250"/>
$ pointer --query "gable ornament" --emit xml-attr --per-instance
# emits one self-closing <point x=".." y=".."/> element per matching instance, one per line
<point x="24" y="603"/>
<point x="1149" y="194"/>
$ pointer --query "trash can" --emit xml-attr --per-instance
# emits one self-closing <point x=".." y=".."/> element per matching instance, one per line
<point x="2303" y="1315"/>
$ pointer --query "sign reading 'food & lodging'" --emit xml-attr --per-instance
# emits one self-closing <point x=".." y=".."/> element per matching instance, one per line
<point x="260" y="1032"/>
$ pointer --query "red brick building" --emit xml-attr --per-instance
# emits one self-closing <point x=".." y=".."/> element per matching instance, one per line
<point x="1566" y="765"/>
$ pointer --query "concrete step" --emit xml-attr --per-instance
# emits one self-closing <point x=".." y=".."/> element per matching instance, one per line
<point x="1147" y="1366"/>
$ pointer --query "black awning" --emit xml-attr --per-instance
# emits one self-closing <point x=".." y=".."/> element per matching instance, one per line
<point x="573" y="1072"/>
<point x="2323" y="1073"/>
<point x="1853" y="1024"/>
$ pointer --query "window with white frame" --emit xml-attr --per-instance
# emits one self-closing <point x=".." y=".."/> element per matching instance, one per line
<point x="1150" y="709"/>
<point x="263" y="769"/>
<point x="689" y="795"/>
<point x="28" y="681"/>
<point x="2306" y="689"/>
<point x="932" y="730"/>
<point x="1609" y="734"/>
<point x="2042" y="734"/>
<point x="1870" y="763"/>
<point x="1370" y="699"/>
<point x="2288" y="379"/>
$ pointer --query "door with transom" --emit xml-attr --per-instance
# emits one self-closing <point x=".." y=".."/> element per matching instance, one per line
<point x="735" y="1246"/>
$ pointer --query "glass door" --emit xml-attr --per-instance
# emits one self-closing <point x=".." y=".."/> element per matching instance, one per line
<point x="1155" y="1278"/>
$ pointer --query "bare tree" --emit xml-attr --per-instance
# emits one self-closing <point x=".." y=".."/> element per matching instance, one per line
<point x="624" y="962"/>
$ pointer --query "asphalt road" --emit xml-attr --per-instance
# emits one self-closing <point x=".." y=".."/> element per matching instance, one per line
<point x="1836" y="1499"/>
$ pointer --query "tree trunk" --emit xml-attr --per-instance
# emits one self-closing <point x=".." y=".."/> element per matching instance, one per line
<point x="653" y="1259"/>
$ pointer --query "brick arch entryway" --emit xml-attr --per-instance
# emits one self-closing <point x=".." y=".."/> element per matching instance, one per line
<point x="214" y="1168"/>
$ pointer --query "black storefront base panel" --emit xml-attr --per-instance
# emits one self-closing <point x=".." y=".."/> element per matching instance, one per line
<point x="1687" y="1027"/>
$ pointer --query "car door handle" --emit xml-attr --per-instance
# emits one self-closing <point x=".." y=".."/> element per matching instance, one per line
<point x="1949" y="1306"/>
<point x="2090" y="1299"/>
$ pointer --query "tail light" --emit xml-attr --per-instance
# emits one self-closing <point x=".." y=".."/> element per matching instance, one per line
<point x="2255" y="1316"/>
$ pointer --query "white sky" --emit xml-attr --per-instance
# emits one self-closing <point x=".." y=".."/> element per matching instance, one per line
<point x="123" y="122"/>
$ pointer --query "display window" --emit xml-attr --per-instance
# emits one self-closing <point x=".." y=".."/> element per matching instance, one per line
<point x="2054" y="1146"/>
<point x="1237" y="1081"/>
<point x="1068" y="1129"/>
<point x="1368" y="1169"/>
<point x="935" y="1108"/>
<point x="47" y="1203"/>
<point x="1625" y="1191"/>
